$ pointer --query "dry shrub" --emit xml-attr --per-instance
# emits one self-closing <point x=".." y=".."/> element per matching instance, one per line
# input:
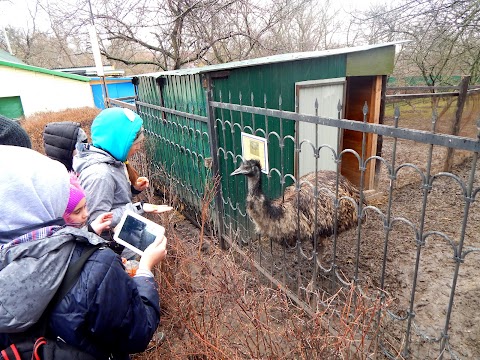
<point x="35" y="124"/>
<point x="214" y="306"/>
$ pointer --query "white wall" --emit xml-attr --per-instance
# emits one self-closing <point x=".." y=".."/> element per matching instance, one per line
<point x="44" y="92"/>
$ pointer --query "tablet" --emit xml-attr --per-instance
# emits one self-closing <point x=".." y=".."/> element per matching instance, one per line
<point x="136" y="232"/>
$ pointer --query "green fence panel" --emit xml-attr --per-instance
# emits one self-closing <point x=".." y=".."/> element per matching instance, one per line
<point x="180" y="144"/>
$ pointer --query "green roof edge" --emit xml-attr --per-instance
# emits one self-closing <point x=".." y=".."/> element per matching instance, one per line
<point x="44" y="71"/>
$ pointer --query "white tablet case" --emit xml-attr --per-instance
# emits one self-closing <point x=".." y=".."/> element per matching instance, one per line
<point x="146" y="230"/>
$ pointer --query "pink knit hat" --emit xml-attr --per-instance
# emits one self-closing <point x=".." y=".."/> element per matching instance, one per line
<point x="76" y="194"/>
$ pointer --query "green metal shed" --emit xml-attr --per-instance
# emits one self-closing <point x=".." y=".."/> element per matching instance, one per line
<point x="332" y="83"/>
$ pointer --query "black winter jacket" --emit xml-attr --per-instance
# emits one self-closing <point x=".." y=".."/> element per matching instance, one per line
<point x="59" y="140"/>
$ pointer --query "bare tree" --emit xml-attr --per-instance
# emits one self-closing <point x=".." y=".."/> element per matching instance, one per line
<point x="444" y="35"/>
<point x="170" y="34"/>
<point x="44" y="46"/>
<point x="313" y="26"/>
<point x="152" y="35"/>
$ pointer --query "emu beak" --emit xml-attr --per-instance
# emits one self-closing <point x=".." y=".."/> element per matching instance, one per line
<point x="240" y="170"/>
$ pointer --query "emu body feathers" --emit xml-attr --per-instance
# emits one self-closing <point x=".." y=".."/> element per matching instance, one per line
<point x="278" y="219"/>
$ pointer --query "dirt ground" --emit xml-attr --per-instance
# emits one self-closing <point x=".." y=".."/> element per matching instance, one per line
<point x="436" y="267"/>
<point x="437" y="258"/>
<point x="436" y="261"/>
<point x="444" y="213"/>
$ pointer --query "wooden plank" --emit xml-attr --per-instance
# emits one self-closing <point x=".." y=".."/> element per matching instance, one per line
<point x="360" y="90"/>
<point x="421" y="88"/>
<point x="420" y="96"/>
<point x="427" y="88"/>
<point x="374" y="117"/>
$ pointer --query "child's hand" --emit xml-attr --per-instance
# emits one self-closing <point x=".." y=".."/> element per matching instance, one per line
<point x="153" y="254"/>
<point x="141" y="184"/>
<point x="156" y="209"/>
<point x="102" y="222"/>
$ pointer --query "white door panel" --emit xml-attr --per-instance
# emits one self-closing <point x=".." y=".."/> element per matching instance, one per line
<point x="328" y="93"/>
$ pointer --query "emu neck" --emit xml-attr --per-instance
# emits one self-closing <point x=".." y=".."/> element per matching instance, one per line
<point x="260" y="207"/>
<point x="255" y="185"/>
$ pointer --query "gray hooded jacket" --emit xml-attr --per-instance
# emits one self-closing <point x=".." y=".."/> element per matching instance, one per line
<point x="105" y="182"/>
<point x="106" y="313"/>
<point x="34" y="190"/>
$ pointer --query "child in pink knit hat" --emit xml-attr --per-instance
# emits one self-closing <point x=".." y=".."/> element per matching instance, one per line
<point x="76" y="214"/>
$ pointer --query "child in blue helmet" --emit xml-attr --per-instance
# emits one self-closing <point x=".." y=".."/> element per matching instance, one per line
<point x="116" y="134"/>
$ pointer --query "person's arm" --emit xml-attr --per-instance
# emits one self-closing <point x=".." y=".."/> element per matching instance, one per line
<point x="100" y="188"/>
<point x="120" y="313"/>
<point x="133" y="316"/>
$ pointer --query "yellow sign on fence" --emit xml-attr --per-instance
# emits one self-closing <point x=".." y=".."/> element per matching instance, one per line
<point x="255" y="147"/>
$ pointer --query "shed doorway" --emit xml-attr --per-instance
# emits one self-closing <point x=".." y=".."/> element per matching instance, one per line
<point x="328" y="93"/>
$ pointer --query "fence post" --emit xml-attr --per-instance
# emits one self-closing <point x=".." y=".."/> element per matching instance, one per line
<point x="455" y="129"/>
<point x="212" y="133"/>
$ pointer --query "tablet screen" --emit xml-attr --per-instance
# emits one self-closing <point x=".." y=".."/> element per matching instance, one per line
<point x="136" y="232"/>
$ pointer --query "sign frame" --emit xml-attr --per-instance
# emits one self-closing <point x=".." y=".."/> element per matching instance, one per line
<point x="255" y="148"/>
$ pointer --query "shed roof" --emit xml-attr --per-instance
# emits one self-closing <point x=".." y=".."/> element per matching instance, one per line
<point x="90" y="71"/>
<point x="273" y="59"/>
<point x="37" y="69"/>
<point x="5" y="56"/>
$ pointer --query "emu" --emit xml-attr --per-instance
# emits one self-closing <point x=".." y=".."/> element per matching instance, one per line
<point x="277" y="219"/>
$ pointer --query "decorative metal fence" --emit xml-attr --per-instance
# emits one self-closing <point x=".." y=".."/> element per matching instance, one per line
<point x="417" y="247"/>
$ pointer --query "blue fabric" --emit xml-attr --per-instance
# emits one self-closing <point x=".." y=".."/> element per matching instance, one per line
<point x="114" y="130"/>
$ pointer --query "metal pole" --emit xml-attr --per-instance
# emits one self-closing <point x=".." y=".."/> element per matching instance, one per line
<point x="212" y="129"/>
<point x="97" y="56"/>
<point x="7" y="41"/>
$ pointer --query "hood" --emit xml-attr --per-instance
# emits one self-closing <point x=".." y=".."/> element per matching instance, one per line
<point x="34" y="189"/>
<point x="114" y="130"/>
<point x="89" y="155"/>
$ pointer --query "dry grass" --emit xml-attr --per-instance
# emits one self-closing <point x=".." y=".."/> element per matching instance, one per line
<point x="215" y="306"/>
<point x="35" y="124"/>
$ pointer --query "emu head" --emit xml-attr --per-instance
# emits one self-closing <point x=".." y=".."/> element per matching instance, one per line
<point x="249" y="168"/>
